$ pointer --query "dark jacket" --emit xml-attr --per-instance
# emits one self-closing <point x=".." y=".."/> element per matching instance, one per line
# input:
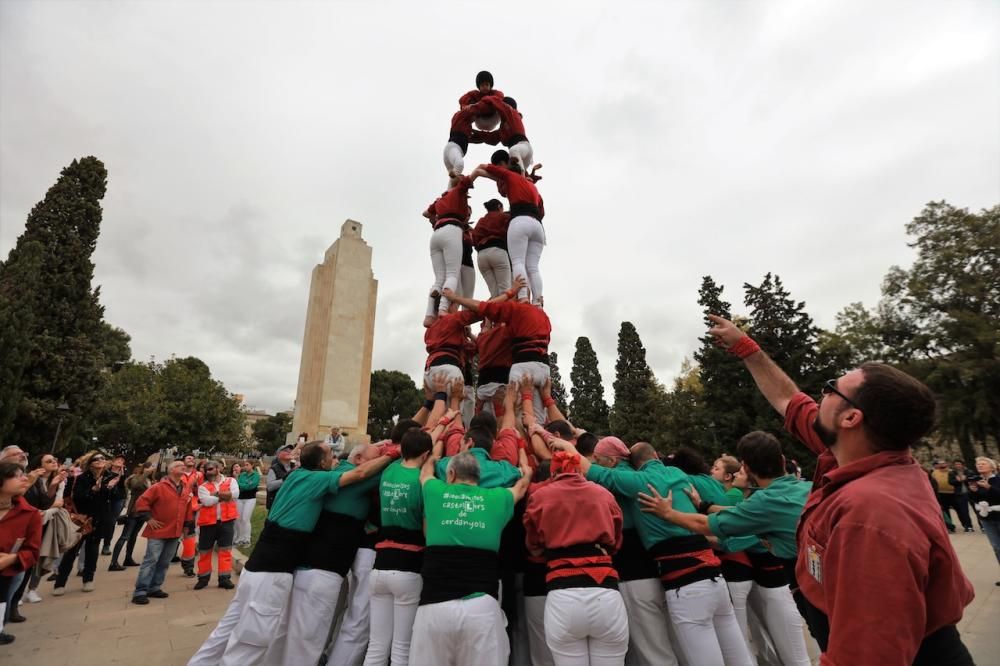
<point x="989" y="495"/>
<point x="90" y="502"/>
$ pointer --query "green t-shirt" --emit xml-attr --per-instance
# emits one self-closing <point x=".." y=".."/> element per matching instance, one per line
<point x="402" y="499"/>
<point x="709" y="489"/>
<point x="492" y="473"/>
<point x="355" y="499"/>
<point x="733" y="496"/>
<point x="300" y="501"/>
<point x="771" y="514"/>
<point x="458" y="514"/>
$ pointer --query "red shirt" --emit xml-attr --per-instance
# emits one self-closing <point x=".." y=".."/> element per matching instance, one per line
<point x="874" y="556"/>
<point x="529" y="327"/>
<point x="164" y="503"/>
<point x="514" y="186"/>
<point x="453" y="203"/>
<point x="22" y="521"/>
<point x="491" y="230"/>
<point x="474" y="96"/>
<point x="493" y="346"/>
<point x="446" y="336"/>
<point x="569" y="510"/>
<point x="511" y="125"/>
<point x="504" y="446"/>
<point x="799" y="417"/>
<point x="461" y="122"/>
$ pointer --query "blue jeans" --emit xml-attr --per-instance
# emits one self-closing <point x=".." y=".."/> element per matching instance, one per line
<point x="159" y="552"/>
<point x="13" y="582"/>
<point x="992" y="528"/>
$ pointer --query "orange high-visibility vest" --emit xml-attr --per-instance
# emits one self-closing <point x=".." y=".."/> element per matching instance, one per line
<point x="207" y="514"/>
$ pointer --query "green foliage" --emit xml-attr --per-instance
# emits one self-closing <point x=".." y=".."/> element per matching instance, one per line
<point x="589" y="410"/>
<point x="48" y="291"/>
<point x="558" y="388"/>
<point x="392" y="396"/>
<point x="270" y="433"/>
<point x="144" y="407"/>
<point x="639" y="400"/>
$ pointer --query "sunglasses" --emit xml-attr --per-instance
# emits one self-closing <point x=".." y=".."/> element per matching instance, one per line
<point x="831" y="387"/>
<point x="98" y="459"/>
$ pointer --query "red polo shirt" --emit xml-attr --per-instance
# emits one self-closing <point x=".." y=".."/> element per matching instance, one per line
<point x="446" y="336"/>
<point x="529" y="327"/>
<point x="22" y="521"/>
<point x="494" y="347"/>
<point x="491" y="230"/>
<point x="474" y="96"/>
<point x="514" y="186"/>
<point x="452" y="204"/>
<point x="874" y="555"/>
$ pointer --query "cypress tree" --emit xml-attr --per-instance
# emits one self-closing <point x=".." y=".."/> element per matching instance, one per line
<point x="589" y="409"/>
<point x="558" y="388"/>
<point x="638" y="398"/>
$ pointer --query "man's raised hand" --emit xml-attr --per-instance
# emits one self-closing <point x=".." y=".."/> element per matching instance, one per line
<point x="725" y="332"/>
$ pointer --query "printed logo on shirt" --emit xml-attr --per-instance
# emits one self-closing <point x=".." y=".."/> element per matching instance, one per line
<point x="815" y="562"/>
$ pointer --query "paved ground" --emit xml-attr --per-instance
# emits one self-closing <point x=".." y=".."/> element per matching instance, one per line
<point x="102" y="627"/>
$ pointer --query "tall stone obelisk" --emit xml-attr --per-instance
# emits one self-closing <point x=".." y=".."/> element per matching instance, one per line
<point x="336" y="366"/>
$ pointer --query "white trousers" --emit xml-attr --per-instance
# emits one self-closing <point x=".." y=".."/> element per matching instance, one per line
<point x="534" y="615"/>
<point x="485" y="394"/>
<point x="738" y="593"/>
<point x="706" y="625"/>
<point x="446" y="259"/>
<point x="451" y="372"/>
<point x="352" y="641"/>
<point x="251" y="623"/>
<point x="459" y="632"/>
<point x="539" y="373"/>
<point x="245" y="507"/>
<point x="454" y="158"/>
<point x="525" y="156"/>
<point x="785" y="626"/>
<point x="395" y="595"/>
<point x="467" y="281"/>
<point x="586" y="626"/>
<point x="648" y="642"/>
<point x="314" y="604"/>
<point x="487" y="123"/>
<point x="525" y="241"/>
<point x="494" y="265"/>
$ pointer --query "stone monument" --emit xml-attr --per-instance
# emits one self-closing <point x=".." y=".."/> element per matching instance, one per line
<point x="336" y="366"/>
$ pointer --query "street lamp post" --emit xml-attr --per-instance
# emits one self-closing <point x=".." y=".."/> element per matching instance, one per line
<point x="63" y="409"/>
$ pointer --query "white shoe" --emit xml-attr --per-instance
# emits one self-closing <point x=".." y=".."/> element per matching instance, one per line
<point x="58" y="591"/>
<point x="88" y="586"/>
<point x="32" y="596"/>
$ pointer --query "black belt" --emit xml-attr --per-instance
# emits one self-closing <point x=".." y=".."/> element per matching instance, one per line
<point x="461" y="139"/>
<point x="445" y="360"/>
<point x="496" y="242"/>
<point x="494" y="375"/>
<point x="446" y="221"/>
<point x="527" y="209"/>
<point x="515" y="139"/>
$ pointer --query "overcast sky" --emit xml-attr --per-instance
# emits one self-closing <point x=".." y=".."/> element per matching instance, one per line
<point x="679" y="139"/>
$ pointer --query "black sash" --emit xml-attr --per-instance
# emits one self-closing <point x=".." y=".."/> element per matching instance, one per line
<point x="454" y="572"/>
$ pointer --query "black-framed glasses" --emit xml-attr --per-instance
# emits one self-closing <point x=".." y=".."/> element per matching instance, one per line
<point x="831" y="387"/>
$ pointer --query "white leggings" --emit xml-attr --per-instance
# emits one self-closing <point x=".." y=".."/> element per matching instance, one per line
<point x="454" y="158"/>
<point x="777" y="610"/>
<point x="494" y="264"/>
<point x="446" y="258"/>
<point x="539" y="373"/>
<point x="395" y="595"/>
<point x="586" y="626"/>
<point x="525" y="156"/>
<point x="246" y="507"/>
<point x="738" y="592"/>
<point x="706" y="625"/>
<point x="525" y="240"/>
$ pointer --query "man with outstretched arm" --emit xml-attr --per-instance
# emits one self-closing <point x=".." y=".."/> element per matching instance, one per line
<point x="879" y="580"/>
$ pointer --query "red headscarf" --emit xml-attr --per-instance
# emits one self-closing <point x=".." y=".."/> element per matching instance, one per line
<point x="564" y="462"/>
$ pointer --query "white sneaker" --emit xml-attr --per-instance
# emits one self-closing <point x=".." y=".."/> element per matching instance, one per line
<point x="32" y="596"/>
<point x="88" y="586"/>
<point x="58" y="591"/>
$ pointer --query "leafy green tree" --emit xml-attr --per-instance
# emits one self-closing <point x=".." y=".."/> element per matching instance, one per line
<point x="199" y="413"/>
<point x="942" y="316"/>
<point x="270" y="433"/>
<point x="19" y="281"/>
<point x="392" y="396"/>
<point x="558" y="388"/>
<point x="727" y="392"/>
<point x="684" y="416"/>
<point x="589" y="409"/>
<point x="66" y="335"/>
<point x="128" y="416"/>
<point x="638" y="398"/>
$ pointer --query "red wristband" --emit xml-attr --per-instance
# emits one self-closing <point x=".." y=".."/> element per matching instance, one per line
<point x="548" y="402"/>
<point x="527" y="397"/>
<point x="444" y="421"/>
<point x="744" y="347"/>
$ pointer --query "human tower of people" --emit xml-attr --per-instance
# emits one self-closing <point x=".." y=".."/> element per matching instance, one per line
<point x="489" y="530"/>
